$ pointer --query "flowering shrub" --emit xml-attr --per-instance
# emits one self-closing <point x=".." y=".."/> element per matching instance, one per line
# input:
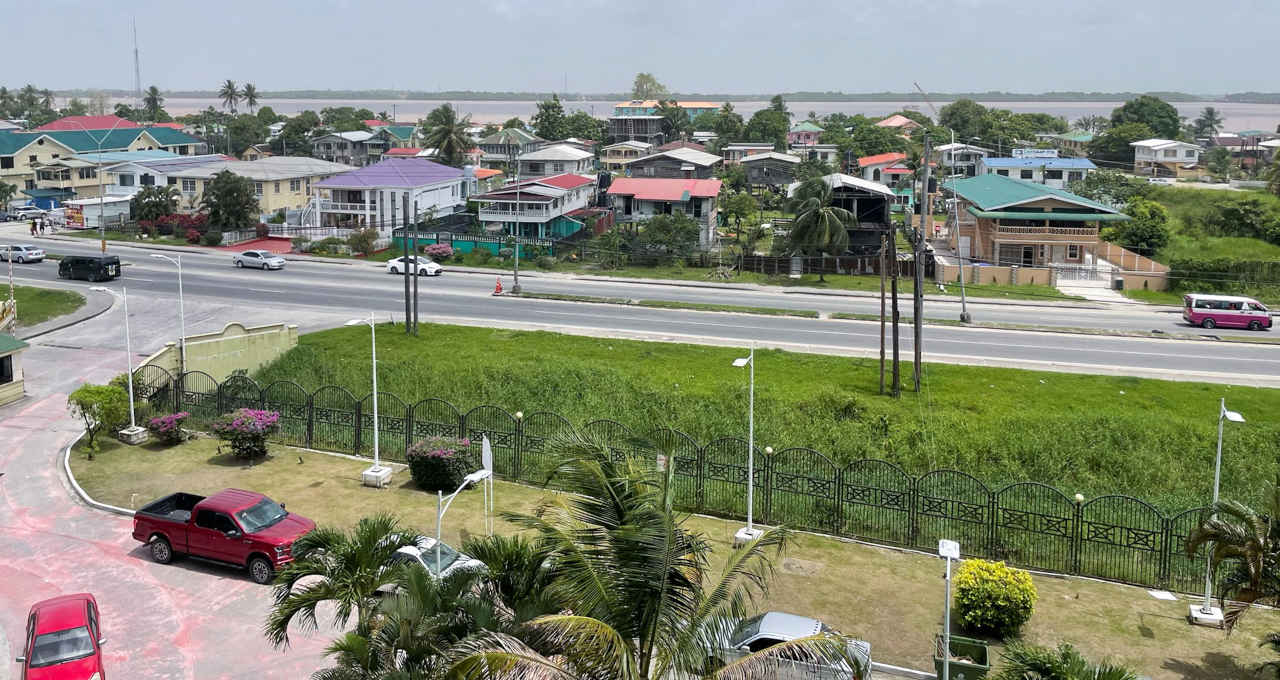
<point x="993" y="599"/>
<point x="168" y="429"/>
<point x="247" y="430"/>
<point x="262" y="230"/>
<point x="439" y="251"/>
<point x="440" y="463"/>
<point x="193" y="236"/>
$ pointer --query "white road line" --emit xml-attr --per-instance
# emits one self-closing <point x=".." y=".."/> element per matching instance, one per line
<point x="264" y="290"/>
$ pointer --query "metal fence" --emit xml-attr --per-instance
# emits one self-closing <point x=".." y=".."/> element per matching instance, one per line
<point x="1114" y="537"/>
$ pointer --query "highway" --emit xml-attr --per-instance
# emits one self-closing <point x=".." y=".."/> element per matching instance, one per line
<point x="465" y="298"/>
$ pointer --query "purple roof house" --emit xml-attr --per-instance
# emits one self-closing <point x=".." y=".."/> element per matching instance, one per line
<point x="375" y="194"/>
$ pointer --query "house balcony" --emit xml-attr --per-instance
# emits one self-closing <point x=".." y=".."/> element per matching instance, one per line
<point x="339" y="207"/>
<point x="528" y="214"/>
<point x="1042" y="234"/>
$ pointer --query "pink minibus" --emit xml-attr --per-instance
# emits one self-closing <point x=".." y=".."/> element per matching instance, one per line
<point x="1228" y="311"/>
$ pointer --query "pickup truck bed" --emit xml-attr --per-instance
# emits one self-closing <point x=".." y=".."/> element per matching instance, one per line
<point x="175" y="507"/>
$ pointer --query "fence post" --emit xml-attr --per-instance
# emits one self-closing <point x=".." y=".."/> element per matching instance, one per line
<point x="913" y="515"/>
<point x="700" y="495"/>
<point x="1166" y="536"/>
<point x="767" y="487"/>
<point x="177" y="391"/>
<point x="1077" y="536"/>
<point x="359" y="428"/>
<point x="993" y="508"/>
<point x="517" y="455"/>
<point x="311" y="418"/>
<point x="408" y="429"/>
<point x="837" y="524"/>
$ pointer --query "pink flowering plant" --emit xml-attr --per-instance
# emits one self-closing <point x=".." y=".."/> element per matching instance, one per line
<point x="439" y="252"/>
<point x="168" y="428"/>
<point x="440" y="463"/>
<point x="247" y="430"/>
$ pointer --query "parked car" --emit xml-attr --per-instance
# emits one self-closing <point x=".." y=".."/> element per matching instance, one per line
<point x="425" y="266"/>
<point x="234" y="527"/>
<point x="771" y="628"/>
<point x="1161" y="180"/>
<point x="5" y="216"/>
<point x="89" y="267"/>
<point x="64" y="640"/>
<point x="1211" y="311"/>
<point x="26" y="212"/>
<point x="423" y="554"/>
<point x="21" y="253"/>
<point x="258" y="259"/>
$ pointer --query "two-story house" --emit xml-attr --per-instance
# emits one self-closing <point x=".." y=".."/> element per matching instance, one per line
<point x="347" y="148"/>
<point x="375" y="195"/>
<point x="770" y="169"/>
<point x="501" y="147"/>
<point x="804" y="133"/>
<point x="1054" y="172"/>
<point x="537" y="208"/>
<point x="827" y="153"/>
<point x="734" y="153"/>
<point x="872" y="167"/>
<point x="639" y="128"/>
<point x="640" y="198"/>
<point x="959" y="159"/>
<point x="556" y="159"/>
<point x="1165" y="158"/>
<point x="871" y="204"/>
<point x="129" y="175"/>
<point x="85" y="175"/>
<point x="279" y="182"/>
<point x="676" y="163"/>
<point x="900" y="123"/>
<point x="615" y="157"/>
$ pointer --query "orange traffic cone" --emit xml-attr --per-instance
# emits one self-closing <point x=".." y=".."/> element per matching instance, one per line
<point x="497" y="289"/>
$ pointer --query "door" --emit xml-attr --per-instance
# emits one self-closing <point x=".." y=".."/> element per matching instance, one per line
<point x="627" y="205"/>
<point x="965" y="245"/>
<point x="208" y="536"/>
<point x="1028" y="256"/>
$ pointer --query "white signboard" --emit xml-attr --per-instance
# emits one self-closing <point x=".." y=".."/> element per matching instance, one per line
<point x="1035" y="153"/>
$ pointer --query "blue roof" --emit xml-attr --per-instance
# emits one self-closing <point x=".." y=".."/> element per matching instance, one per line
<point x="1050" y="163"/>
<point x="124" y="156"/>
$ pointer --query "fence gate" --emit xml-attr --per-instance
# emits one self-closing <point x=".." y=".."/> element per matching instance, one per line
<point x="333" y="419"/>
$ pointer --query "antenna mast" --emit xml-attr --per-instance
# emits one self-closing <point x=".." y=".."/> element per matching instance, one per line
<point x="137" y="70"/>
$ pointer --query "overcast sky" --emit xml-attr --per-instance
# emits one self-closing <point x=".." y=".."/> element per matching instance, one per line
<point x="720" y="46"/>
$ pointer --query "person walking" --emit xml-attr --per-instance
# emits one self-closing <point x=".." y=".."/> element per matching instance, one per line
<point x="33" y="226"/>
<point x="42" y="226"/>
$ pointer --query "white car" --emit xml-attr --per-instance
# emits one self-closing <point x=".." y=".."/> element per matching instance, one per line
<point x="772" y="628"/>
<point x="258" y="259"/>
<point x="423" y="554"/>
<point x="21" y="254"/>
<point x="425" y="266"/>
<point x="26" y="212"/>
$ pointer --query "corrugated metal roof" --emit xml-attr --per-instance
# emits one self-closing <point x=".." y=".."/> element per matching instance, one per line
<point x="686" y="155"/>
<point x="556" y="152"/>
<point x="1051" y="163"/>
<point x="881" y="158"/>
<point x="106" y="122"/>
<point x="400" y="173"/>
<point x="660" y="189"/>
<point x="992" y="192"/>
<point x="786" y="157"/>
<point x="1055" y="216"/>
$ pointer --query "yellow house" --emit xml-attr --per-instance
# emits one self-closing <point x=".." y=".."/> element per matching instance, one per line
<point x="11" y="383"/>
<point x="21" y="153"/>
<point x="280" y="182"/>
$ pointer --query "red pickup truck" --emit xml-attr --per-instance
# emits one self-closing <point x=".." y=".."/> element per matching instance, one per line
<point x="240" y="528"/>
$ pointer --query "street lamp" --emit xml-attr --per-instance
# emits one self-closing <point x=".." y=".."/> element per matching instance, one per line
<point x="102" y="194"/>
<point x="131" y="434"/>
<point x="750" y="532"/>
<point x="1207" y="614"/>
<point x="948" y="550"/>
<point x="182" y="315"/>
<point x="376" y="475"/>
<point x="442" y="504"/>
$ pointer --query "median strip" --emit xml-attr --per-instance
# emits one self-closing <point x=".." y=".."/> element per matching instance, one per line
<point x="671" y="304"/>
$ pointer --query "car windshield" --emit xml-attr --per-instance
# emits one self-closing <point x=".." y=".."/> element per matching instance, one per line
<point x="260" y="516"/>
<point x="447" y="557"/>
<point x="748" y="629"/>
<point x="60" y="647"/>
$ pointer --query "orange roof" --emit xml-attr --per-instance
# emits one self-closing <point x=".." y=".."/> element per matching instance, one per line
<point x="897" y="120"/>
<point x="486" y="173"/>
<point x="174" y="126"/>
<point x="881" y="158"/>
<point x="374" y="122"/>
<point x="402" y="151"/>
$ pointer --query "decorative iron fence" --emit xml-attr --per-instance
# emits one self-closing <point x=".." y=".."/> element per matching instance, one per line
<point x="1117" y="538"/>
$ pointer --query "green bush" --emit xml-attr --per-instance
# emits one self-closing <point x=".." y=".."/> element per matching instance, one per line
<point x="993" y="599"/>
<point x="506" y="253"/>
<point x="100" y="407"/>
<point x="545" y="262"/>
<point x="441" y="463"/>
<point x="362" y="241"/>
<point x="212" y="238"/>
<point x="327" y="245"/>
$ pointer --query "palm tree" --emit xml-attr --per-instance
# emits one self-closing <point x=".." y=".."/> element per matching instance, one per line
<point x="229" y="94"/>
<point x="351" y="566"/>
<point x="1209" y="122"/>
<point x="644" y="599"/>
<point x="7" y="192"/>
<point x="250" y="95"/>
<point x="1250" y="541"/>
<point x="819" y="227"/>
<point x="448" y="135"/>
<point x="1024" y="661"/>
<point x="152" y="102"/>
<point x="46" y="99"/>
<point x="1273" y="177"/>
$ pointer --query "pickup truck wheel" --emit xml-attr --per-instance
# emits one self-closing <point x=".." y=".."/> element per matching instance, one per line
<point x="161" y="551"/>
<point x="261" y="571"/>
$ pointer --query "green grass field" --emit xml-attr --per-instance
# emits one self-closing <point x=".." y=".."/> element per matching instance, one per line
<point x="37" y="305"/>
<point x="1087" y="434"/>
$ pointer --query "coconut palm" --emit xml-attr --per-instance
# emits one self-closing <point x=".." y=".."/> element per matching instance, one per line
<point x="152" y="102"/>
<point x="1209" y="122"/>
<point x="350" y="566"/>
<point x="1024" y="662"/>
<point x="46" y="99"/>
<point x="644" y="599"/>
<point x="819" y="227"/>
<point x="448" y="135"/>
<point x="249" y="93"/>
<point x="1250" y="542"/>
<point x="230" y="94"/>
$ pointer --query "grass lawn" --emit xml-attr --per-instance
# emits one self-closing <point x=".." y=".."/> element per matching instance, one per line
<point x="92" y="234"/>
<point x="37" y="305"/>
<point x="675" y="304"/>
<point x="1089" y="434"/>
<point x="891" y="599"/>
<point x="1212" y="247"/>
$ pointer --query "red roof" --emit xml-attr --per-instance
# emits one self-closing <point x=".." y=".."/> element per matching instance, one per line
<point x="680" y="144"/>
<point x="89" y="123"/>
<point x="880" y="159"/>
<point x="566" y="181"/>
<point x="174" y="126"/>
<point x="402" y="151"/>
<point x="374" y="122"/>
<point x="657" y="189"/>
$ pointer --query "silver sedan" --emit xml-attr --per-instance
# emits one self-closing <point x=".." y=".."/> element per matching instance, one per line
<point x="258" y="259"/>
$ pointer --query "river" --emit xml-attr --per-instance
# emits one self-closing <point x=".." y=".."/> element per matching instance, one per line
<point x="1236" y="116"/>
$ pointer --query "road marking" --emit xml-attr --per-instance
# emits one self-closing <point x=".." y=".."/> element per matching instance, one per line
<point x="265" y="290"/>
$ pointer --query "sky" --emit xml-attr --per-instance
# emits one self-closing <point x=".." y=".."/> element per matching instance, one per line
<point x="712" y="46"/>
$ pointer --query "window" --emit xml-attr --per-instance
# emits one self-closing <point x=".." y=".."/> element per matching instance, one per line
<point x="1075" y="176"/>
<point x="257" y="188"/>
<point x="188" y="185"/>
<point x="1002" y="172"/>
<point x="126" y="179"/>
<point x="557" y="167"/>
<point x="148" y="180"/>
<point x="1170" y="153"/>
<point x="31" y="159"/>
<point x="1252" y="306"/>
<point x="87" y="173"/>
<point x="1073" y="252"/>
<point x="1053" y="174"/>
<point x="6" y="162"/>
<point x="172" y="181"/>
<point x="1026" y="174"/>
<point x="295" y="185"/>
<point x="1191" y="153"/>
<point x="277" y="187"/>
<point x="6" y="369"/>
<point x="208" y="519"/>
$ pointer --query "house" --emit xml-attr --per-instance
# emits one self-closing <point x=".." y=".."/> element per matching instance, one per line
<point x="255" y="152"/>
<point x="1054" y="172"/>
<point x="1072" y="143"/>
<point x="681" y="144"/>
<point x="78" y="176"/>
<point x="649" y="107"/>
<point x="279" y="182"/>
<point x="615" y="157"/>
<point x="375" y="195"/>
<point x="1165" y="158"/>
<point x="704" y="137"/>
<point x="126" y="174"/>
<point x="502" y="146"/>
<point x="872" y="167"/>
<point x="770" y="169"/>
<point x="12" y="386"/>
<point x="959" y="159"/>
<point x="389" y="136"/>
<point x="870" y="202"/>
<point x="827" y="153"/>
<point x="347" y="148"/>
<point x="401" y="152"/>
<point x="487" y="179"/>
<point x="640" y="128"/>
<point x="734" y="153"/>
<point x="1006" y="221"/>
<point x="803" y="133"/>
<point x="639" y="198"/>
<point x="583" y="144"/>
<point x="107" y="122"/>
<point x="537" y="208"/>
<point x="898" y="122"/>
<point x="556" y="159"/>
<point x="676" y="163"/>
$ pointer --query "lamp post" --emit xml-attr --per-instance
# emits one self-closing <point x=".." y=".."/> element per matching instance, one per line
<point x="102" y="226"/>
<point x="750" y="532"/>
<point x="442" y="504"/>
<point x="1207" y="614"/>
<point x="375" y="475"/>
<point x="182" y="315"/>
<point x="132" y="434"/>
<point x="948" y="550"/>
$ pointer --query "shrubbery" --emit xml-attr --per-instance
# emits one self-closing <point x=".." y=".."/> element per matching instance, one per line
<point x="440" y="463"/>
<point x="192" y="236"/>
<point x="439" y="251"/>
<point x="992" y="598"/>
<point x="247" y="430"/>
<point x="212" y="238"/>
<point x="362" y="241"/>
<point x="262" y="230"/>
<point x="168" y="428"/>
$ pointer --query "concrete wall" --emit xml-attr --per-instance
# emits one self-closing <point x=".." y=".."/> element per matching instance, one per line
<point x="1142" y="281"/>
<point x="234" y="347"/>
<point x="950" y="273"/>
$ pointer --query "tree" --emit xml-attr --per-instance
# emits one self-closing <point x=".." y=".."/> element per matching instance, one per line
<point x="777" y="103"/>
<point x="7" y="192"/>
<point x="154" y="202"/>
<point x="1113" y="144"/>
<point x="768" y="125"/>
<point x="230" y="201"/>
<point x="675" y="120"/>
<point x="246" y="130"/>
<point x="152" y="103"/>
<point x="729" y="124"/>
<point x="229" y="93"/>
<point x="811" y="168"/>
<point x="583" y="125"/>
<point x="345" y="568"/>
<point x="269" y="116"/>
<point x="674" y="235"/>
<point x="514" y="123"/>
<point x="819" y="227"/>
<point x="75" y="107"/>
<point x="705" y="121"/>
<point x="644" y="599"/>
<point x="1250" y="542"/>
<point x="489" y="129"/>
<point x="1093" y="124"/>
<point x="345" y="118"/>
<point x="1209" y="122"/>
<point x="249" y="93"/>
<point x="1110" y="186"/>
<point x="1043" y="122"/>
<point x="448" y="135"/>
<point x="734" y="177"/>
<point x="1146" y="233"/>
<point x="1023" y="661"/>
<point x="99" y="407"/>
<point x="1218" y="160"/>
<point x="549" y="121"/>
<point x="739" y="205"/>
<point x="295" y="137"/>
<point x="965" y="116"/>
<point x="646" y="87"/>
<point x="1155" y="113"/>
<point x="1273" y="177"/>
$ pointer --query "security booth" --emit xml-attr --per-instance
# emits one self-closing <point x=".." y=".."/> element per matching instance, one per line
<point x="11" y="384"/>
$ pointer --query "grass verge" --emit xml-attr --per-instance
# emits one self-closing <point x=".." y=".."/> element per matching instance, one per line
<point x="891" y="599"/>
<point x="37" y="305"/>
<point x="674" y="304"/>
<point x="93" y="235"/>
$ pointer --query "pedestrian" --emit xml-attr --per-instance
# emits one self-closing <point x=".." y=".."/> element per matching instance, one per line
<point x="42" y="226"/>
<point x="33" y="226"/>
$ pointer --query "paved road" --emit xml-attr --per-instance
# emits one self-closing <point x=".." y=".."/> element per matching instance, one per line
<point x="464" y="298"/>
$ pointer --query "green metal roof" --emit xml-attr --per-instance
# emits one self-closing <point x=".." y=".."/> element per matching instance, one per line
<point x="1054" y="216"/>
<point x="82" y="141"/>
<point x="1083" y="137"/>
<point x="10" y="344"/>
<point x="11" y="142"/>
<point x="399" y="131"/>
<point x="806" y="126"/>
<point x="992" y="192"/>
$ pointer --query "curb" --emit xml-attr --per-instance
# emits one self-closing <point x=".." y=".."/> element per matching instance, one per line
<point x="73" y="322"/>
<point x="84" y="497"/>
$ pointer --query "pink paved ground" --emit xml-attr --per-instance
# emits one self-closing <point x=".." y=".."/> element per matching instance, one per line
<point x="275" y="244"/>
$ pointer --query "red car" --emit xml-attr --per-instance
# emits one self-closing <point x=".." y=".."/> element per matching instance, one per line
<point x="64" y="640"/>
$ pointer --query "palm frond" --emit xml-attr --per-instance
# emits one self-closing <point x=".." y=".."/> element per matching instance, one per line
<point x="822" y="650"/>
<point x="502" y="657"/>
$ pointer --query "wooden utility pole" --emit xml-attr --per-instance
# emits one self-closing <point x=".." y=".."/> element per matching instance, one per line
<point x="893" y="295"/>
<point x="883" y="246"/>
<point x="918" y="298"/>
<point x="406" y="265"/>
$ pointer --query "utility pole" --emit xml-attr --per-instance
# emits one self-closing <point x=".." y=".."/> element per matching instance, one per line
<point x="918" y="297"/>
<point x="893" y="294"/>
<point x="408" y="264"/>
<point x="411" y="222"/>
<point x="883" y="246"/>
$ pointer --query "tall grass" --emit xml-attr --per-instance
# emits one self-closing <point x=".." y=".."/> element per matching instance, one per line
<point x="1088" y="434"/>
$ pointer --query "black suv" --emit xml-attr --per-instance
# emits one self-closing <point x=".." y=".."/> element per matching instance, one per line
<point x="89" y="267"/>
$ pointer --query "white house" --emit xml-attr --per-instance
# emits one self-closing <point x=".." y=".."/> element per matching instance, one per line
<point x="126" y="178"/>
<point x="1053" y="172"/>
<point x="1165" y="157"/>
<point x="959" y="159"/>
<point x="734" y="153"/>
<point x="375" y="195"/>
<point x="556" y="159"/>
<point x="617" y="156"/>
<point x="827" y="153"/>
<point x="537" y="208"/>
